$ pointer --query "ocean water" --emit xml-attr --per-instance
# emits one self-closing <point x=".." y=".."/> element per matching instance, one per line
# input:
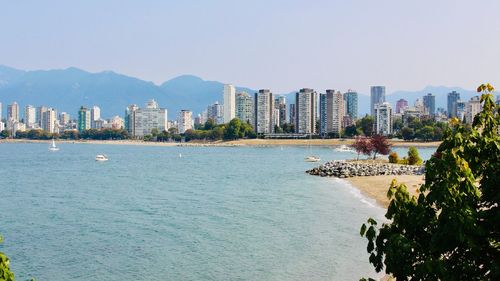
<point x="216" y="213"/>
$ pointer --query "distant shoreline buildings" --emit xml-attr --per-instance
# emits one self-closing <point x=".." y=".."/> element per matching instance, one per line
<point x="326" y="114"/>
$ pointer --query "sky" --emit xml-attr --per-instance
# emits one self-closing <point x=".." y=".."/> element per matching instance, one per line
<point x="282" y="45"/>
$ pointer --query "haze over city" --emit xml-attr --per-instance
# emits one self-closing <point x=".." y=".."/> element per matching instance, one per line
<point x="281" y="45"/>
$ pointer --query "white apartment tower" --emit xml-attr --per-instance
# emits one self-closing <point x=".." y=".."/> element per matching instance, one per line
<point x="383" y="118"/>
<point x="264" y="112"/>
<point x="185" y="121"/>
<point x="306" y="106"/>
<point x="50" y="121"/>
<point x="472" y="108"/>
<point x="142" y="120"/>
<point x="30" y="116"/>
<point x="95" y="114"/>
<point x="229" y="103"/>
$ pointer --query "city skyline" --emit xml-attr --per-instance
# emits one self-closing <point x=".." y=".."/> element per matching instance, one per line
<point x="161" y="41"/>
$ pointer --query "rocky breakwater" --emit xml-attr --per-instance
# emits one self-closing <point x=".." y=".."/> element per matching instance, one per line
<point x="344" y="169"/>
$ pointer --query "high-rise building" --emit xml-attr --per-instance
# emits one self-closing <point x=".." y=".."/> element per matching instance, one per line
<point x="64" y="118"/>
<point x="39" y="115"/>
<point x="280" y="105"/>
<point x="184" y="121"/>
<point x="95" y="114"/>
<point x="430" y="104"/>
<point x="331" y="112"/>
<point x="229" y="103"/>
<point x="351" y="104"/>
<point x="143" y="120"/>
<point x="13" y="111"/>
<point x="460" y="107"/>
<point x="1" y="113"/>
<point x="473" y="107"/>
<point x="383" y="118"/>
<point x="84" y="119"/>
<point x="129" y="118"/>
<point x="377" y="95"/>
<point x="264" y="112"/>
<point x="401" y="105"/>
<point x="306" y="104"/>
<point x="244" y="107"/>
<point x="50" y="121"/>
<point x="453" y="97"/>
<point x="30" y="116"/>
<point x="216" y="113"/>
<point x="292" y="117"/>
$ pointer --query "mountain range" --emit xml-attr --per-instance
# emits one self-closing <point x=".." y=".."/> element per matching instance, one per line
<point x="68" y="89"/>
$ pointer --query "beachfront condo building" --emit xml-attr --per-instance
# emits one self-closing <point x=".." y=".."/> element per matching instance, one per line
<point x="453" y="98"/>
<point x="129" y="118"/>
<point x="292" y="111"/>
<point x="39" y="114"/>
<point x="430" y="104"/>
<point x="280" y="106"/>
<point x="216" y="113"/>
<point x="30" y="116"/>
<point x="244" y="107"/>
<point x="229" y="103"/>
<point x="331" y="112"/>
<point x="84" y="119"/>
<point x="184" y="121"/>
<point x="95" y="115"/>
<point x="383" y="118"/>
<point x="264" y="112"/>
<point x="50" y="121"/>
<point x="13" y="111"/>
<point x="141" y="121"/>
<point x="351" y="104"/>
<point x="306" y="106"/>
<point x="377" y="95"/>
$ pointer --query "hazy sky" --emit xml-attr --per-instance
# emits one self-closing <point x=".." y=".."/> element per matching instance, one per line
<point x="281" y="45"/>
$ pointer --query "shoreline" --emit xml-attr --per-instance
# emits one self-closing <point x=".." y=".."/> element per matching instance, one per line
<point x="376" y="187"/>
<point x="235" y="143"/>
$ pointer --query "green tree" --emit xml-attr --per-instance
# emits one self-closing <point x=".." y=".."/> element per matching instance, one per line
<point x="407" y="133"/>
<point x="350" y="131"/>
<point x="425" y="133"/>
<point x="366" y="124"/>
<point x="5" y="273"/>
<point x="210" y="124"/>
<point x="414" y="157"/>
<point x="452" y="230"/>
<point x="232" y="131"/>
<point x="4" y="134"/>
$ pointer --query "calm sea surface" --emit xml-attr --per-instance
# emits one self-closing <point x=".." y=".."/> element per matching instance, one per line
<point x="216" y="213"/>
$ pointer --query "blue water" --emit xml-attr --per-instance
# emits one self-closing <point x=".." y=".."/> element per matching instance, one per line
<point x="215" y="214"/>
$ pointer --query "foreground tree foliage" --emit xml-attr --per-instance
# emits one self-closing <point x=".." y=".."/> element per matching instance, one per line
<point x="452" y="230"/>
<point x="5" y="273"/>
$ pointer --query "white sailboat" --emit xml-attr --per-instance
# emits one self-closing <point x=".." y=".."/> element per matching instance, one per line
<point x="311" y="157"/>
<point x="53" y="146"/>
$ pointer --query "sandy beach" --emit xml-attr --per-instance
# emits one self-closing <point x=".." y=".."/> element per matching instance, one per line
<point x="376" y="187"/>
<point x="242" y="142"/>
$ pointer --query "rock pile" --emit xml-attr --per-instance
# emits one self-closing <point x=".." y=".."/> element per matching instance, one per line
<point x="343" y="169"/>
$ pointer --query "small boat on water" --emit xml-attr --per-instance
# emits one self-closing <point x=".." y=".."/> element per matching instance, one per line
<point x="312" y="158"/>
<point x="53" y="146"/>
<point x="101" y="157"/>
<point x="344" y="148"/>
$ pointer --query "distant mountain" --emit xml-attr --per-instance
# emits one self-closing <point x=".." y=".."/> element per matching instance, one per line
<point x="68" y="89"/>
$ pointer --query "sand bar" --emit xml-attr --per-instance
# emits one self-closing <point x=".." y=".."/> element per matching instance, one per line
<point x="376" y="187"/>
